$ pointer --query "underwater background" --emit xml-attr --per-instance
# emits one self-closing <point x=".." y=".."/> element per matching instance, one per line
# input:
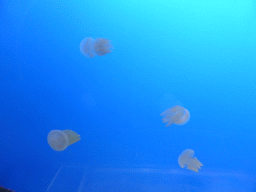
<point x="198" y="54"/>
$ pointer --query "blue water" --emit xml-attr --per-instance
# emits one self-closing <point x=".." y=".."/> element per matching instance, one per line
<point x="199" y="54"/>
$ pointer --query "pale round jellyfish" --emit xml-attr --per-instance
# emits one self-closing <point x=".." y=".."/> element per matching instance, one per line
<point x="90" y="47"/>
<point x="86" y="47"/>
<point x="60" y="140"/>
<point x="175" y="115"/>
<point x="186" y="159"/>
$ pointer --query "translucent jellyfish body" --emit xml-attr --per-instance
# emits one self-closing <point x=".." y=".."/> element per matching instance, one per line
<point x="90" y="47"/>
<point x="186" y="159"/>
<point x="60" y="140"/>
<point x="175" y="115"/>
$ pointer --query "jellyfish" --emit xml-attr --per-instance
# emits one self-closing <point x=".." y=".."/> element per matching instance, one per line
<point x="90" y="47"/>
<point x="177" y="115"/>
<point x="186" y="159"/>
<point x="60" y="140"/>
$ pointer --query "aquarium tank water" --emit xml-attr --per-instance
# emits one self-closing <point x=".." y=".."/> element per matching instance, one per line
<point x="128" y="95"/>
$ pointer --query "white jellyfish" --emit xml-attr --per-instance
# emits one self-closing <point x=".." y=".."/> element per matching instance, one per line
<point x="186" y="159"/>
<point x="177" y="115"/>
<point x="60" y="140"/>
<point x="90" y="47"/>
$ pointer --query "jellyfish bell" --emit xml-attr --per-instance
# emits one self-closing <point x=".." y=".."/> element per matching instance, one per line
<point x="57" y="140"/>
<point x="60" y="140"/>
<point x="188" y="153"/>
<point x="184" y="119"/>
<point x="87" y="47"/>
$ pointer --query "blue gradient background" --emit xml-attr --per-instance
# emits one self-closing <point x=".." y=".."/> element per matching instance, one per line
<point x="200" y="54"/>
